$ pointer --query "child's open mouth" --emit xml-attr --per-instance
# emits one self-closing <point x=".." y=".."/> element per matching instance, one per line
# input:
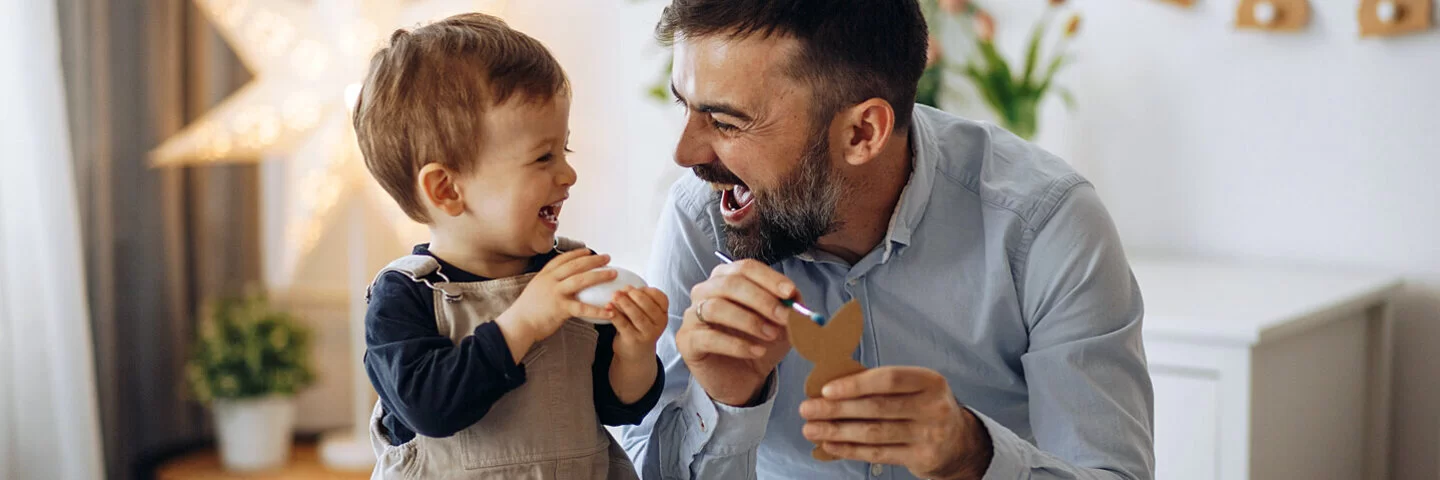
<point x="550" y="214"/>
<point x="735" y="203"/>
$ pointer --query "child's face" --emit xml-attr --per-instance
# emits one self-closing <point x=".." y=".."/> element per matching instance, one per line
<point x="513" y="197"/>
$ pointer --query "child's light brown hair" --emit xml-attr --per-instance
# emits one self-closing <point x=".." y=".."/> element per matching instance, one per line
<point x="424" y="98"/>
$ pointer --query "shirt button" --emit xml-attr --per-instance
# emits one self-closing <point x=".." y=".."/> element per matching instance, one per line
<point x="852" y="282"/>
<point x="876" y="469"/>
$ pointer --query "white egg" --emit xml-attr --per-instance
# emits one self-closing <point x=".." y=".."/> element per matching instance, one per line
<point x="601" y="294"/>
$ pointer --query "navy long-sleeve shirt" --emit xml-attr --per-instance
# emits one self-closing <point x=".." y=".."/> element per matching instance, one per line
<point x="434" y="387"/>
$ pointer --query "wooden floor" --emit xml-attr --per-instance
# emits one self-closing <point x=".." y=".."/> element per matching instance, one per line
<point x="205" y="464"/>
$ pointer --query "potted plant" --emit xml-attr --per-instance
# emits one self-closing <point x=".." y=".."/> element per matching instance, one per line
<point x="1015" y="94"/>
<point x="248" y="362"/>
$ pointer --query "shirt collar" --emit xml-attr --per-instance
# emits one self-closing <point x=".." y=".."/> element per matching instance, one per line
<point x="924" y="154"/>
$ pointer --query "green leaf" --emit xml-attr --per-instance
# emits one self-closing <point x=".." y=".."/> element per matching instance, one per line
<point x="246" y="348"/>
<point x="982" y="84"/>
<point x="1033" y="53"/>
<point x="998" y="76"/>
<point x="659" y="92"/>
<point x="927" y="91"/>
<point x="1055" y="65"/>
<point x="1066" y="96"/>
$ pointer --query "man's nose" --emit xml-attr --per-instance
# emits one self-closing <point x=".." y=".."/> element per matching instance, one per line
<point x="694" y="147"/>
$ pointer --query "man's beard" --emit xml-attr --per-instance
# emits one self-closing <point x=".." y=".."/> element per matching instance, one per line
<point x="792" y="217"/>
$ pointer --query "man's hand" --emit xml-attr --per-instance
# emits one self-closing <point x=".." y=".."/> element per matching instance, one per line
<point x="733" y="334"/>
<point x="899" y="416"/>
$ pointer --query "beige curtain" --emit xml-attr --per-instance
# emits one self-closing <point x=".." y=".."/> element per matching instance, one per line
<point x="157" y="242"/>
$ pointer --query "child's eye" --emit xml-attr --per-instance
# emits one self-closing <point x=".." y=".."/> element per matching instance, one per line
<point x="544" y="158"/>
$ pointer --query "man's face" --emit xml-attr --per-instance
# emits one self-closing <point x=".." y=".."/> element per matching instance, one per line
<point x="750" y="132"/>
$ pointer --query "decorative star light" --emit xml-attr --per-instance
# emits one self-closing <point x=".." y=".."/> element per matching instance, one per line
<point x="308" y="59"/>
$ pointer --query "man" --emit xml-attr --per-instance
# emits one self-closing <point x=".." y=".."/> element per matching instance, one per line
<point x="1002" y="324"/>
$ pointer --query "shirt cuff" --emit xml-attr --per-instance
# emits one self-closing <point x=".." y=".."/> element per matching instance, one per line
<point x="1008" y="460"/>
<point x="726" y="430"/>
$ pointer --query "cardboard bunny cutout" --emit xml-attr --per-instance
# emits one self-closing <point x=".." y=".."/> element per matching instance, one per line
<point x="829" y="347"/>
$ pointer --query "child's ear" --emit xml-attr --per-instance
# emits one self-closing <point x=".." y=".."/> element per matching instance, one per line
<point x="439" y="189"/>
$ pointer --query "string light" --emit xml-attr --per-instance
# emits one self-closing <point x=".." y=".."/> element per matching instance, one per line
<point x="307" y="58"/>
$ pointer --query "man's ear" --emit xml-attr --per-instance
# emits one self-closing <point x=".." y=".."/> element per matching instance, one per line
<point x="439" y="189"/>
<point x="865" y="130"/>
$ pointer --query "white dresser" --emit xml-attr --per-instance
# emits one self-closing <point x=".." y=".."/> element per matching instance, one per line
<point x="1267" y="373"/>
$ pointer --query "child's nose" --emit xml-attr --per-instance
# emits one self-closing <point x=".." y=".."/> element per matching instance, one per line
<point x="567" y="176"/>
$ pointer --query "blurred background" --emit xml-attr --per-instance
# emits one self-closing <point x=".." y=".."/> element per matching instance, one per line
<point x="174" y="164"/>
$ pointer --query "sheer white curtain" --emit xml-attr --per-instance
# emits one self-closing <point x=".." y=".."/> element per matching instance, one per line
<point x="49" y="425"/>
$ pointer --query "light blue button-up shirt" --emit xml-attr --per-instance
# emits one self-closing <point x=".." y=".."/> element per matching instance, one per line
<point x="1000" y="269"/>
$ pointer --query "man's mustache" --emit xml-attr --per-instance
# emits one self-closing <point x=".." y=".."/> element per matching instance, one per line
<point x="716" y="173"/>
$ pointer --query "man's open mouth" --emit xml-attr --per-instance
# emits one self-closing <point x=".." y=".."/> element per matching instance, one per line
<point x="736" y="202"/>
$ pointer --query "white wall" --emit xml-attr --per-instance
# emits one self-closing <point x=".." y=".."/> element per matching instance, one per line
<point x="624" y="139"/>
<point x="1315" y="148"/>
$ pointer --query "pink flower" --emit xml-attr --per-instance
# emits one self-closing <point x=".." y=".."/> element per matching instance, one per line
<point x="954" y="6"/>
<point x="932" y="51"/>
<point x="984" y="26"/>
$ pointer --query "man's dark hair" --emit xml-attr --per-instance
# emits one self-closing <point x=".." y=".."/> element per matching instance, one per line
<point x="851" y="50"/>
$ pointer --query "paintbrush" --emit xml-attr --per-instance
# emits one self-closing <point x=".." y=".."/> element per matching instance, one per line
<point x="793" y="305"/>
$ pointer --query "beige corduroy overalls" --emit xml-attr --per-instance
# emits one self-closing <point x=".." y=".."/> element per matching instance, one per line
<point x="545" y="429"/>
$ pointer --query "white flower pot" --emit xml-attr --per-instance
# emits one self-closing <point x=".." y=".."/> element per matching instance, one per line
<point x="254" y="433"/>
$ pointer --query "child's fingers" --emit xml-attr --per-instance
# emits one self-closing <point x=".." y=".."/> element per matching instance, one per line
<point x="575" y="283"/>
<point x="655" y="316"/>
<point x="580" y="264"/>
<point x="624" y="325"/>
<point x="653" y="311"/>
<point x="624" y="304"/>
<point x="660" y="298"/>
<point x="561" y="259"/>
<point x="577" y="308"/>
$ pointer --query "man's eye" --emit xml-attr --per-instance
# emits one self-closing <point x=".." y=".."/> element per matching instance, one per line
<point x="722" y="126"/>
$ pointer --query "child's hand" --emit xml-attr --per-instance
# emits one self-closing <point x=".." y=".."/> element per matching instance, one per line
<point x="549" y="299"/>
<point x="642" y="315"/>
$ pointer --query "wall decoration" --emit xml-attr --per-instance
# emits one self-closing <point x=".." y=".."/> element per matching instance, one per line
<point x="308" y="59"/>
<point x="1394" y="17"/>
<point x="1273" y="15"/>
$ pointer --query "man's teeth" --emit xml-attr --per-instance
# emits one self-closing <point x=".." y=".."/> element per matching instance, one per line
<point x="742" y="195"/>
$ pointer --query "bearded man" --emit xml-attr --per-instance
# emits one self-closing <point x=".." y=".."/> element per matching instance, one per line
<point x="1002" y="324"/>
